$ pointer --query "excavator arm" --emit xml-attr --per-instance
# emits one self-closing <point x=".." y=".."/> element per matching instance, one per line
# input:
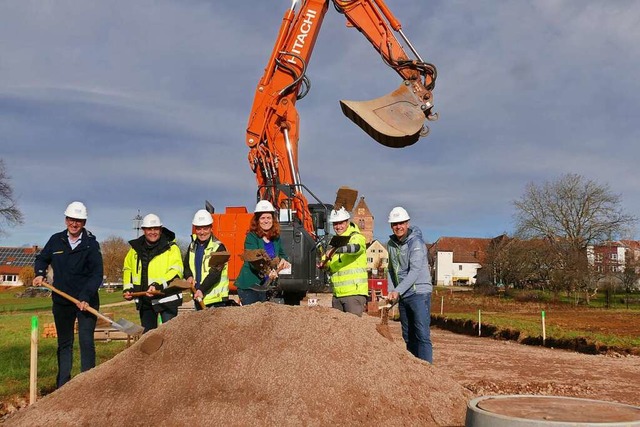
<point x="395" y="120"/>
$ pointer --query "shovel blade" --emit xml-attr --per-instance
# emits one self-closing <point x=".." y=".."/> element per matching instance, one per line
<point x="345" y="198"/>
<point x="394" y="120"/>
<point x="128" y="327"/>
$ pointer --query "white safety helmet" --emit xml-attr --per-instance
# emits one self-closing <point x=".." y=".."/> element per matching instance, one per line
<point x="339" y="215"/>
<point x="264" y="206"/>
<point x="398" y="214"/>
<point x="151" y="220"/>
<point x="202" y="218"/>
<point x="76" y="210"/>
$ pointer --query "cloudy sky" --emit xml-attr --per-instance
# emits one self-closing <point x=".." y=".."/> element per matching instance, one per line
<point x="143" y="105"/>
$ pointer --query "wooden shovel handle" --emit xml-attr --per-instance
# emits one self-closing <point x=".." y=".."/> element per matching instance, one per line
<point x="198" y="300"/>
<point x="143" y="293"/>
<point x="76" y="301"/>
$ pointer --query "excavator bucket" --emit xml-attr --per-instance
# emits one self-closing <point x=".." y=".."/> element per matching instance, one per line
<point x="395" y="120"/>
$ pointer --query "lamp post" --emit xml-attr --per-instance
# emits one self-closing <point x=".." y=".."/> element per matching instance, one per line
<point x="137" y="221"/>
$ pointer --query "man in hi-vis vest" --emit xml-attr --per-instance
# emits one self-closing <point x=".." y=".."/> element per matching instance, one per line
<point x="153" y="261"/>
<point x="211" y="284"/>
<point x="347" y="265"/>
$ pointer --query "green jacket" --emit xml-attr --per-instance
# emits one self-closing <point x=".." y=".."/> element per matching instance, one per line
<point x="249" y="277"/>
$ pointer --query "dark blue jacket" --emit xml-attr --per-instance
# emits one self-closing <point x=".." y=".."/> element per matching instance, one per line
<point x="77" y="272"/>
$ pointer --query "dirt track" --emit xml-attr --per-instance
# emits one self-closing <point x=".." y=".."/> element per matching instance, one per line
<point x="488" y="366"/>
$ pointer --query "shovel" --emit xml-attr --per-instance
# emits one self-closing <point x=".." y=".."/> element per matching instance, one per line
<point x="123" y="325"/>
<point x="144" y="294"/>
<point x="198" y="300"/>
<point x="178" y="285"/>
<point x="383" y="326"/>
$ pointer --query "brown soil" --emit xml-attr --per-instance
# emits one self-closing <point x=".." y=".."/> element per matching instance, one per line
<point x="265" y="364"/>
<point x="314" y="366"/>
<point x="494" y="366"/>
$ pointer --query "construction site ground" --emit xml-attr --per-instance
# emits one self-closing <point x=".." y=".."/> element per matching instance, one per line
<point x="255" y="345"/>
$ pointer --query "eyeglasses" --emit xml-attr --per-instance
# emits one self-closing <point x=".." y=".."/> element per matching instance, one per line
<point x="75" y="220"/>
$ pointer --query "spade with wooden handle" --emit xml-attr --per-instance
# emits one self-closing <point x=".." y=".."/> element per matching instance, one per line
<point x="182" y="284"/>
<point x="198" y="300"/>
<point x="383" y="326"/>
<point x="145" y="293"/>
<point x="123" y="325"/>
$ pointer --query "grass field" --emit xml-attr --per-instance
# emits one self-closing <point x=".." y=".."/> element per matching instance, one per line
<point x="614" y="327"/>
<point x="15" y="341"/>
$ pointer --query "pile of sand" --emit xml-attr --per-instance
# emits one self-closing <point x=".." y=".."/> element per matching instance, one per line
<point x="264" y="364"/>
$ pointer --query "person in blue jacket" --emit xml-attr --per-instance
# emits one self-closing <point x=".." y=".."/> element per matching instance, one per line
<point x="409" y="283"/>
<point x="264" y="233"/>
<point x="75" y="257"/>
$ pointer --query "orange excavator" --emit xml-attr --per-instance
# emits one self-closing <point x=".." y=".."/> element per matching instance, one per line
<point x="395" y="120"/>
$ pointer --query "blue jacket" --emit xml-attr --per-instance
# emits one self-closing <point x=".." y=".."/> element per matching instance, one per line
<point x="77" y="272"/>
<point x="408" y="270"/>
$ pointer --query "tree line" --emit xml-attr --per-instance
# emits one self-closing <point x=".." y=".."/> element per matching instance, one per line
<point x="556" y="225"/>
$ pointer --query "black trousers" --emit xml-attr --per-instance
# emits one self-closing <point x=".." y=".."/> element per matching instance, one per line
<point x="65" y="317"/>
<point x="149" y="317"/>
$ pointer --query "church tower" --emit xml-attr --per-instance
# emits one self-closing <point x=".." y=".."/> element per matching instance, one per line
<point x="362" y="217"/>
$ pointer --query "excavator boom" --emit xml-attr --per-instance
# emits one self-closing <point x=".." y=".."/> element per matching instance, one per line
<point x="395" y="120"/>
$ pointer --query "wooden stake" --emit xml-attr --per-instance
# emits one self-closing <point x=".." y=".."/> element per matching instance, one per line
<point x="33" y="375"/>
<point x="479" y="323"/>
<point x="544" y="329"/>
<point x="441" y="305"/>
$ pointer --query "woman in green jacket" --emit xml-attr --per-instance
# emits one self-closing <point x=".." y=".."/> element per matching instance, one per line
<point x="264" y="233"/>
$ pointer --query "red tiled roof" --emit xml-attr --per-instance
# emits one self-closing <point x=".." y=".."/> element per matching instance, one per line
<point x="631" y="244"/>
<point x="465" y="249"/>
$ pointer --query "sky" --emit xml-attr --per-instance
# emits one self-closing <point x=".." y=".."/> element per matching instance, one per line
<point x="142" y="106"/>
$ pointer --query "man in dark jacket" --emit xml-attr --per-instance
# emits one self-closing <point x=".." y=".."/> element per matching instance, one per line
<point x="76" y="260"/>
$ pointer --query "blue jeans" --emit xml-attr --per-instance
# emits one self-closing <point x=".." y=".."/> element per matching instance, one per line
<point x="415" y="317"/>
<point x="249" y="296"/>
<point x="64" y="317"/>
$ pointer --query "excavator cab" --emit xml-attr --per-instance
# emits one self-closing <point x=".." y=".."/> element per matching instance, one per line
<point x="395" y="120"/>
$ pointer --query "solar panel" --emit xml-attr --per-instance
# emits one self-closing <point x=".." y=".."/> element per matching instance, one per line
<point x="17" y="257"/>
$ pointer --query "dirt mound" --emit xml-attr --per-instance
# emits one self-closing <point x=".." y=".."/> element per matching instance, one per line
<point x="265" y="364"/>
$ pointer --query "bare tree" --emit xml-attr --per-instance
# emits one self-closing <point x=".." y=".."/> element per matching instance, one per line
<point x="114" y="249"/>
<point x="520" y="263"/>
<point x="575" y="209"/>
<point x="10" y="215"/>
<point x="572" y="213"/>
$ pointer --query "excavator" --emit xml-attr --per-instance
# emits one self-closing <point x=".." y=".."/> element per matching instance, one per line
<point x="395" y="120"/>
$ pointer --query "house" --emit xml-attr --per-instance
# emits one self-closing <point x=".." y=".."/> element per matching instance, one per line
<point x="456" y="260"/>
<point x="377" y="259"/>
<point x="614" y="257"/>
<point x="12" y="261"/>
<point x="607" y="257"/>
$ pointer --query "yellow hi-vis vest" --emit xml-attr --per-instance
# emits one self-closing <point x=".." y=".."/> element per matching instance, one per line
<point x="219" y="291"/>
<point x="162" y="268"/>
<point x="349" y="271"/>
